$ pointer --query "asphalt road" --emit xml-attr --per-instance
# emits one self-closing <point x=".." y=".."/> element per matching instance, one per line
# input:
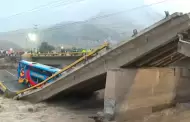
<point x="8" y="75"/>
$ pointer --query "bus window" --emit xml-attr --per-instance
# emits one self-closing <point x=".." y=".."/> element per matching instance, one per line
<point x="26" y="67"/>
<point x="22" y="65"/>
<point x="37" y="80"/>
<point x="40" y="71"/>
<point x="46" y="73"/>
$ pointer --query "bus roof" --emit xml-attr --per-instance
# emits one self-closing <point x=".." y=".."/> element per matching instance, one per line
<point x="40" y="66"/>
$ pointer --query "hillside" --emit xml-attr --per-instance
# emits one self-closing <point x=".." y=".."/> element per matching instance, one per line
<point x="94" y="31"/>
<point x="81" y="34"/>
<point x="15" y="39"/>
<point x="4" y="44"/>
<point x="89" y="33"/>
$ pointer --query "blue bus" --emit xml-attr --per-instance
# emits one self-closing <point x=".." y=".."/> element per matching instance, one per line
<point x="32" y="73"/>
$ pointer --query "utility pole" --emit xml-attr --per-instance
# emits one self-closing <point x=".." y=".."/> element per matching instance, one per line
<point x="37" y="36"/>
<point x="36" y="30"/>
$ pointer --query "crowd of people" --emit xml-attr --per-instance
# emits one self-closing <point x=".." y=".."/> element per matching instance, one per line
<point x="81" y="50"/>
<point x="63" y="51"/>
<point x="10" y="52"/>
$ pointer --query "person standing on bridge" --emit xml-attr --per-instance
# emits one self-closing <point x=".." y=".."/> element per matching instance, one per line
<point x="84" y="52"/>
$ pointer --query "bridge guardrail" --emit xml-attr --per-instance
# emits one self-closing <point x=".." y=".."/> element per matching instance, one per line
<point x="57" y="54"/>
<point x="105" y="45"/>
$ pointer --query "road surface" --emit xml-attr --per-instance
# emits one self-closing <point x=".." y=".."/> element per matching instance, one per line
<point x="8" y="74"/>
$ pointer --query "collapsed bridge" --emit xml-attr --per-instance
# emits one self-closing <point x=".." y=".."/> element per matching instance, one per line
<point x="162" y="44"/>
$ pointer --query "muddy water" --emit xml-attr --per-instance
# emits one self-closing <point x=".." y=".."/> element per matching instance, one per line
<point x="20" y="111"/>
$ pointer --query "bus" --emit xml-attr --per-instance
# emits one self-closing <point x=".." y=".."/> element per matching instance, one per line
<point x="32" y="73"/>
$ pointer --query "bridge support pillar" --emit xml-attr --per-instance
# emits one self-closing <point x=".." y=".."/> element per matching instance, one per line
<point x="131" y="94"/>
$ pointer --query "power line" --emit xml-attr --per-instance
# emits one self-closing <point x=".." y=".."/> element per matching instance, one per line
<point x="103" y="16"/>
<point x="38" y="7"/>
<point x="107" y="15"/>
<point x="59" y="2"/>
<point x="69" y="3"/>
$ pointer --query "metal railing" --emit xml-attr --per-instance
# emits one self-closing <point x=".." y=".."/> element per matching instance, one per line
<point x="57" y="54"/>
<point x="105" y="45"/>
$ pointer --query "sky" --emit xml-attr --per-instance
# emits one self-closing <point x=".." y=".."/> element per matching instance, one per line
<point x="170" y="5"/>
<point x="18" y="14"/>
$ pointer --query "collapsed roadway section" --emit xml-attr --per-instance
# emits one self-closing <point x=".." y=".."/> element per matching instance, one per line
<point x="159" y="45"/>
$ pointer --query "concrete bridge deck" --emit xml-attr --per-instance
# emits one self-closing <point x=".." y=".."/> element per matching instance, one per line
<point x="59" y="60"/>
<point x="56" y="61"/>
<point x="154" y="46"/>
<point x="51" y="59"/>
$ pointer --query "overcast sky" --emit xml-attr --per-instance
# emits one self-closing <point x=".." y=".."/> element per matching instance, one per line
<point x="171" y="5"/>
<point x="16" y="14"/>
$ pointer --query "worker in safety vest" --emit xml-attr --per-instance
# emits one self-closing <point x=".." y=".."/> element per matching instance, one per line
<point x="84" y="51"/>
